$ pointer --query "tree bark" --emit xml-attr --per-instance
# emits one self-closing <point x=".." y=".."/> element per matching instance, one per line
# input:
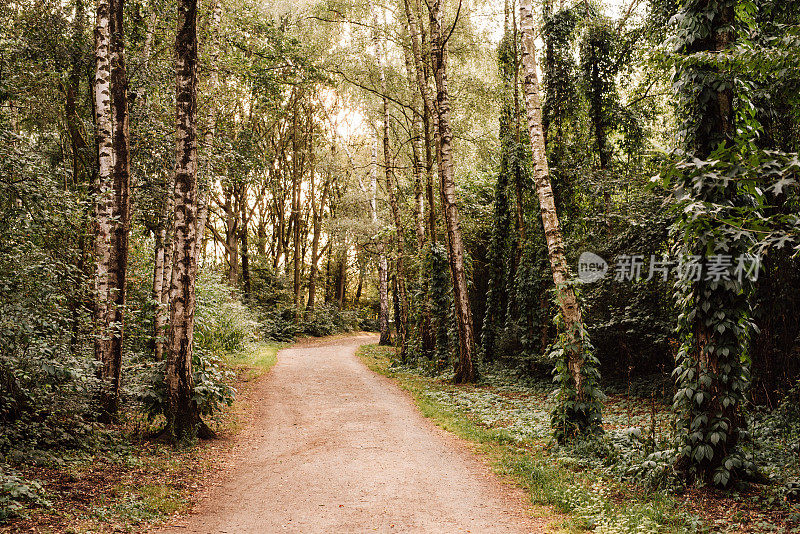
<point x="568" y="303"/>
<point x="464" y="369"/>
<point x="162" y="311"/>
<point x="104" y="215"/>
<point x="401" y="319"/>
<point x="383" y="265"/>
<point x="296" y="183"/>
<point x="183" y="418"/>
<point x="317" y="223"/>
<point x="414" y="30"/>
<point x="122" y="204"/>
<point x="158" y="287"/>
<point x="416" y="153"/>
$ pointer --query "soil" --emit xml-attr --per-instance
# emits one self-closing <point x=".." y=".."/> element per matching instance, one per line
<point x="331" y="447"/>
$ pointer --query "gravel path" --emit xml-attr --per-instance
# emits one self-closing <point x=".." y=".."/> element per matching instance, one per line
<point x="331" y="447"/>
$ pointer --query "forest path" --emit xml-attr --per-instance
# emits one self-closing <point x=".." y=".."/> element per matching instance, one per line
<point x="331" y="447"/>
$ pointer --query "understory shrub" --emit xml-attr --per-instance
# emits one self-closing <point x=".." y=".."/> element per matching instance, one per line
<point x="272" y="302"/>
<point x="16" y="490"/>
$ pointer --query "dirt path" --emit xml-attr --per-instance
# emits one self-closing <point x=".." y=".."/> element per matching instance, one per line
<point x="332" y="448"/>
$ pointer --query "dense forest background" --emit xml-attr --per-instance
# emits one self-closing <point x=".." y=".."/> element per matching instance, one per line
<point x="429" y="171"/>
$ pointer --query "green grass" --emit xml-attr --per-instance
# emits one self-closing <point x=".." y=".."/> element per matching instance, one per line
<point x="256" y="360"/>
<point x="577" y="496"/>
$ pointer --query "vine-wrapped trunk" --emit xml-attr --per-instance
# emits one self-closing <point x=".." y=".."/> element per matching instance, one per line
<point x="567" y="301"/>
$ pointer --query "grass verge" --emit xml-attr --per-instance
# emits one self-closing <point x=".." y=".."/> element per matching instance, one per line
<point x="255" y="361"/>
<point x="577" y="497"/>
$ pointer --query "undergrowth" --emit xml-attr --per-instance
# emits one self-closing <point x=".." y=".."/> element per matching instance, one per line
<point x="622" y="482"/>
<point x="120" y="481"/>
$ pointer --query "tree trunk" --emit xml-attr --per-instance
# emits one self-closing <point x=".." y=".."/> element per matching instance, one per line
<point x="245" y="265"/>
<point x="296" y="183"/>
<point x="80" y="148"/>
<point x="104" y="215"/>
<point x="401" y="319"/>
<point x="158" y="290"/>
<point x="418" y="169"/>
<point x="713" y="374"/>
<point x="122" y="204"/>
<point x="360" y="286"/>
<point x="341" y="279"/>
<point x="183" y="418"/>
<point x="231" y="236"/>
<point x="81" y="160"/>
<point x="383" y="291"/>
<point x="568" y="303"/>
<point x="464" y="368"/>
<point x="414" y="29"/>
<point x="162" y="311"/>
<point x="383" y="265"/>
<point x="317" y="222"/>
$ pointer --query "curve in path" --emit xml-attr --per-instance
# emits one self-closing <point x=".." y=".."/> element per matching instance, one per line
<point x="331" y="447"/>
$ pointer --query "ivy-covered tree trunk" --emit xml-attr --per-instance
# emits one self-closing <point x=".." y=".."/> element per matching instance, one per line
<point x="600" y="68"/>
<point x="183" y="419"/>
<point x="105" y="300"/>
<point x="711" y="374"/>
<point x="578" y="410"/>
<point x="465" y="370"/>
<point x="499" y="246"/>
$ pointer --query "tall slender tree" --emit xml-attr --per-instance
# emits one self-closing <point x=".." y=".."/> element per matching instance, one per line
<point x="581" y="412"/>
<point x="122" y="203"/>
<point x="183" y="418"/>
<point x="401" y="319"/>
<point x="465" y="370"/>
<point x="713" y="370"/>
<point x="108" y="330"/>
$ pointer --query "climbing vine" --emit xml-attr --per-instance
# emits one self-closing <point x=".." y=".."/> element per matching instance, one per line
<point x="578" y="413"/>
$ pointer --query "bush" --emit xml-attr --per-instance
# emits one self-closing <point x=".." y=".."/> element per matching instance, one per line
<point x="328" y="320"/>
<point x="273" y="303"/>
<point x="222" y="323"/>
<point x="212" y="385"/>
<point x="15" y="490"/>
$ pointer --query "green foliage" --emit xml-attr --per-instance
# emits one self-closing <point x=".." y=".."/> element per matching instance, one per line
<point x="723" y="185"/>
<point x="500" y="251"/>
<point x="15" y="491"/>
<point x="440" y="292"/>
<point x="600" y="66"/>
<point x="271" y="298"/>
<point x="632" y="325"/>
<point x="222" y="323"/>
<point x="222" y="326"/>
